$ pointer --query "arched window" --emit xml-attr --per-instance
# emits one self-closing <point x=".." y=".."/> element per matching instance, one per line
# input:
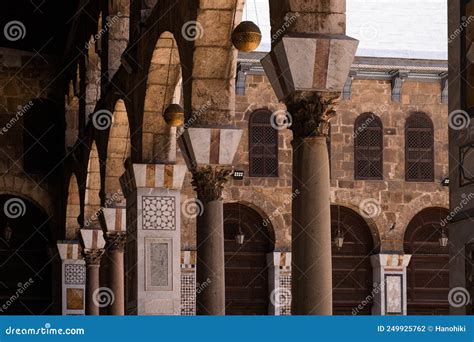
<point x="419" y="141"/>
<point x="263" y="145"/>
<point x="368" y="145"/>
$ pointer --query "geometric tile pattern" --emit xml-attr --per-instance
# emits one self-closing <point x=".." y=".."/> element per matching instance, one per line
<point x="75" y="274"/>
<point x="159" y="212"/>
<point x="188" y="294"/>
<point x="285" y="283"/>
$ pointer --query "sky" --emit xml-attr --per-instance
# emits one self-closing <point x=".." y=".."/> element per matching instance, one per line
<point x="385" y="28"/>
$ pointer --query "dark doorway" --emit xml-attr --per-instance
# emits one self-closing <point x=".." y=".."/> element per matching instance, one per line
<point x="351" y="267"/>
<point x="25" y="277"/>
<point x="428" y="270"/>
<point x="246" y="272"/>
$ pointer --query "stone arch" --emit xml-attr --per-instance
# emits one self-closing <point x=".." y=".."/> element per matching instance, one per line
<point x="92" y="202"/>
<point x="163" y="77"/>
<point x="25" y="188"/>
<point x="372" y="223"/>
<point x="118" y="151"/>
<point x="93" y="71"/>
<point x="72" y="110"/>
<point x="73" y="208"/>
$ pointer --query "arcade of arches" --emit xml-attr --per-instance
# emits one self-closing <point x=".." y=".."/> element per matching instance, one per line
<point x="224" y="213"/>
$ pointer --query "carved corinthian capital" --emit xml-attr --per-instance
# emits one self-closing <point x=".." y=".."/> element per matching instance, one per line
<point x="116" y="241"/>
<point x="209" y="182"/>
<point x="311" y="112"/>
<point x="93" y="256"/>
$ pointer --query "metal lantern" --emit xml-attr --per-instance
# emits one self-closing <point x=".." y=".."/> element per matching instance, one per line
<point x="174" y="115"/>
<point x="7" y="233"/>
<point x="246" y="36"/>
<point x="339" y="239"/>
<point x="240" y="237"/>
<point x="443" y="240"/>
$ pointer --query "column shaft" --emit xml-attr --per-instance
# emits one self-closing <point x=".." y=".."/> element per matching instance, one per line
<point x="311" y="243"/>
<point x="92" y="307"/>
<point x="210" y="259"/>
<point x="117" y="282"/>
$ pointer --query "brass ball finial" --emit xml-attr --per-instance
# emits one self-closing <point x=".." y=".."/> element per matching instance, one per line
<point x="174" y="115"/>
<point x="246" y="36"/>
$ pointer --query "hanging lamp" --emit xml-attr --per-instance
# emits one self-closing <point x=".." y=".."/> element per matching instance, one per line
<point x="246" y="36"/>
<point x="174" y="113"/>
<point x="443" y="240"/>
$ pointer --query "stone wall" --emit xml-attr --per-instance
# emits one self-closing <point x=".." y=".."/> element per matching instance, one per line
<point x="399" y="201"/>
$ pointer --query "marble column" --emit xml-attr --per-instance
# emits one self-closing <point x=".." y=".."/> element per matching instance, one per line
<point x="209" y="154"/>
<point x="115" y="230"/>
<point x="116" y="245"/>
<point x="93" y="249"/>
<point x="390" y="284"/>
<point x="311" y="227"/>
<point x="208" y="183"/>
<point x="92" y="259"/>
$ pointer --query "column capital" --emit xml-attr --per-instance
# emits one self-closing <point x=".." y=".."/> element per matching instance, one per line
<point x="209" y="182"/>
<point x="311" y="112"/>
<point x="93" y="256"/>
<point x="116" y="241"/>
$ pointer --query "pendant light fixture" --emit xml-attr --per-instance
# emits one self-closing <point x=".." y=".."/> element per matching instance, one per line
<point x="174" y="113"/>
<point x="247" y="36"/>
<point x="443" y="240"/>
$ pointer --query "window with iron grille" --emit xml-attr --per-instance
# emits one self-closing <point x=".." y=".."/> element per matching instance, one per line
<point x="368" y="147"/>
<point x="419" y="148"/>
<point x="263" y="145"/>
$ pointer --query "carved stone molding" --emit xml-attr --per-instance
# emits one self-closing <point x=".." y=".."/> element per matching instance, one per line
<point x="209" y="182"/>
<point x="93" y="256"/>
<point x="311" y="112"/>
<point x="116" y="241"/>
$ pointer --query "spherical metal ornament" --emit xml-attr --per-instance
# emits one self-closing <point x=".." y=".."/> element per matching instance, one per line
<point x="246" y="36"/>
<point x="174" y="115"/>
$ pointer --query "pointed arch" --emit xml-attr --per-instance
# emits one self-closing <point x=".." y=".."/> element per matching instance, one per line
<point x="73" y="208"/>
<point x="162" y="81"/>
<point x="118" y="151"/>
<point x="92" y="194"/>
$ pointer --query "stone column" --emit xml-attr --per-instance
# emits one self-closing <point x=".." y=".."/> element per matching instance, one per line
<point x="209" y="153"/>
<point x="73" y="279"/>
<point x="390" y="284"/>
<point x="208" y="183"/>
<point x="308" y="69"/>
<point x="93" y="249"/>
<point x="116" y="246"/>
<point x="311" y="227"/>
<point x="115" y="232"/>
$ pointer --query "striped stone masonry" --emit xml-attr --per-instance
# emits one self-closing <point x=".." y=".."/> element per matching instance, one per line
<point x="92" y="239"/>
<point x="73" y="279"/>
<point x="209" y="146"/>
<point x="167" y="176"/>
<point x="115" y="220"/>
<point x="309" y="62"/>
